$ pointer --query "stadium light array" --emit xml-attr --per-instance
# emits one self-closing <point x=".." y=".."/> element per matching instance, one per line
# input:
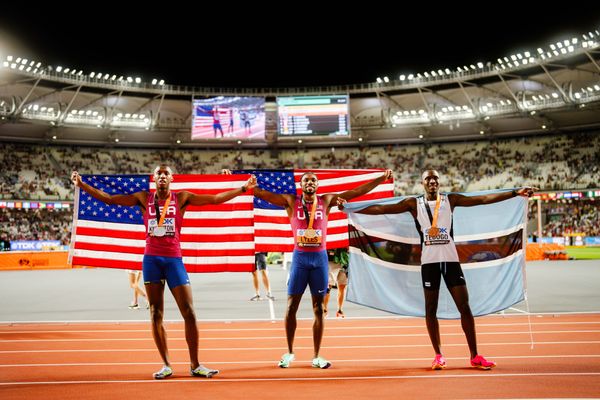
<point x="130" y="120"/>
<point x="553" y="50"/>
<point x="41" y="113"/>
<point x="85" y="117"/>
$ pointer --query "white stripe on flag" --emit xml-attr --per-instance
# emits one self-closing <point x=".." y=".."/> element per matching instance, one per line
<point x="108" y="255"/>
<point x="274" y="240"/>
<point x="384" y="187"/>
<point x="218" y="260"/>
<point x="337" y="237"/>
<point x="344" y="180"/>
<point x="270" y="213"/>
<point x="225" y="185"/>
<point x="111" y="225"/>
<point x="271" y="226"/>
<point x="216" y="231"/>
<point x="489" y="235"/>
<point x="111" y="241"/>
<point x="216" y="245"/>
<point x="218" y="214"/>
<point x="386" y="236"/>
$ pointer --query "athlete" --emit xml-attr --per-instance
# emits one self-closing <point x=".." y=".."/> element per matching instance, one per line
<point x="308" y="215"/>
<point x="433" y="215"/>
<point x="163" y="214"/>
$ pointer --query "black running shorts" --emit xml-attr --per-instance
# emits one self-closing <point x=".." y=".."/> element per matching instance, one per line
<point x="451" y="271"/>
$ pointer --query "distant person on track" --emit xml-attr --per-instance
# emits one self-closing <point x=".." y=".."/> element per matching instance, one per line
<point x="260" y="264"/>
<point x="134" y="284"/>
<point x="163" y="215"/>
<point x="433" y="214"/>
<point x="245" y="121"/>
<point x="338" y="277"/>
<point x="216" y="116"/>
<point x="230" y="127"/>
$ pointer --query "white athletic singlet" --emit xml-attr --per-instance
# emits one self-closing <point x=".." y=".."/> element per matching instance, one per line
<point x="439" y="248"/>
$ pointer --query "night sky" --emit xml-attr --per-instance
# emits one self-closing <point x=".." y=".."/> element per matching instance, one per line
<point x="238" y="46"/>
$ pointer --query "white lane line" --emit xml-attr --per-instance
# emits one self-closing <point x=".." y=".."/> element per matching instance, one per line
<point x="349" y="318"/>
<point x="272" y="362"/>
<point x="271" y="310"/>
<point x="330" y="327"/>
<point x="298" y="337"/>
<point x="239" y="349"/>
<point x="218" y="379"/>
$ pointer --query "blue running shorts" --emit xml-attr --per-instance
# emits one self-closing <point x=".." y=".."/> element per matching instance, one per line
<point x="170" y="269"/>
<point x="309" y="268"/>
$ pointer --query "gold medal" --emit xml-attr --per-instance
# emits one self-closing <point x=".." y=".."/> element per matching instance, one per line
<point x="310" y="233"/>
<point x="434" y="231"/>
<point x="159" y="231"/>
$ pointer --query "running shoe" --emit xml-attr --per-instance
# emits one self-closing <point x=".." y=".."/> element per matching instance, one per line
<point x="203" y="372"/>
<point x="340" y="314"/>
<point x="286" y="360"/>
<point x="439" y="362"/>
<point x="270" y="296"/>
<point x="134" y="306"/>
<point x="164" y="372"/>
<point x="256" y="297"/>
<point x="320" y="362"/>
<point x="479" y="362"/>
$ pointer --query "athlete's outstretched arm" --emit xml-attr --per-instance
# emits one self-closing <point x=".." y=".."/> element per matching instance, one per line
<point x="281" y="200"/>
<point x="365" y="188"/>
<point x="133" y="199"/>
<point x="189" y="198"/>
<point x="407" y="205"/>
<point x="459" y="200"/>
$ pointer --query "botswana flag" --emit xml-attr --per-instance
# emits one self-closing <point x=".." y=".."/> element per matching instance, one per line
<point x="385" y="254"/>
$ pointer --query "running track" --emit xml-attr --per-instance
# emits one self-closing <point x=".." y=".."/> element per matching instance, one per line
<point x="372" y="358"/>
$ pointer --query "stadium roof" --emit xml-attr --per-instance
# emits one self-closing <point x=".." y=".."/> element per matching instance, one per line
<point x="204" y="47"/>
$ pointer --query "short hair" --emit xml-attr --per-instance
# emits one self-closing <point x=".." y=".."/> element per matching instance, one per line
<point x="309" y="172"/>
<point x="428" y="170"/>
<point x="163" y="166"/>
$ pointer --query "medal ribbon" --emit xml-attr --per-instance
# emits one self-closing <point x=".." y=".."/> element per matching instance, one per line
<point x="163" y="214"/>
<point x="312" y="211"/>
<point x="436" y="211"/>
<point x="433" y="220"/>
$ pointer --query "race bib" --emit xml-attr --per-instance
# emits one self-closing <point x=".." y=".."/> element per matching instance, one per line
<point x="309" y="237"/>
<point x="167" y="228"/>
<point x="436" y="236"/>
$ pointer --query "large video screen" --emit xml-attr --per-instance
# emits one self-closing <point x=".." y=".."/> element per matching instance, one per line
<point x="313" y="115"/>
<point x="228" y="117"/>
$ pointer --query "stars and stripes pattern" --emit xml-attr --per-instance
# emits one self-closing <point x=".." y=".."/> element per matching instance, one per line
<point x="214" y="238"/>
<point x="272" y="229"/>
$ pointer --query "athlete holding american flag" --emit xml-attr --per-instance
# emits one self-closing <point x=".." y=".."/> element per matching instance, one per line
<point x="308" y="214"/>
<point x="163" y="215"/>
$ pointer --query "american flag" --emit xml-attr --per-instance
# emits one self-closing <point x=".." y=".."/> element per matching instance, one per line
<point x="204" y="119"/>
<point x="272" y="228"/>
<point x="214" y="238"/>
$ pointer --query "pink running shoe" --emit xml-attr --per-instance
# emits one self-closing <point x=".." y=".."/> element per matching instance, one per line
<point x="439" y="362"/>
<point x="482" y="363"/>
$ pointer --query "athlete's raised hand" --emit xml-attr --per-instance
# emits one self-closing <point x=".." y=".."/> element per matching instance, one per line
<point x="76" y="178"/>
<point x="341" y="203"/>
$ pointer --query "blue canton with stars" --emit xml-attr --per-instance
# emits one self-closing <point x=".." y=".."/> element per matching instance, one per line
<point x="92" y="209"/>
<point x="280" y="181"/>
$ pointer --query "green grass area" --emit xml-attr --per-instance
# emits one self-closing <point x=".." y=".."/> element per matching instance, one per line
<point x="584" y="253"/>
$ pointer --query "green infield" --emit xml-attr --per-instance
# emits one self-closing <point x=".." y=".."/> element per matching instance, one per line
<point x="584" y="253"/>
